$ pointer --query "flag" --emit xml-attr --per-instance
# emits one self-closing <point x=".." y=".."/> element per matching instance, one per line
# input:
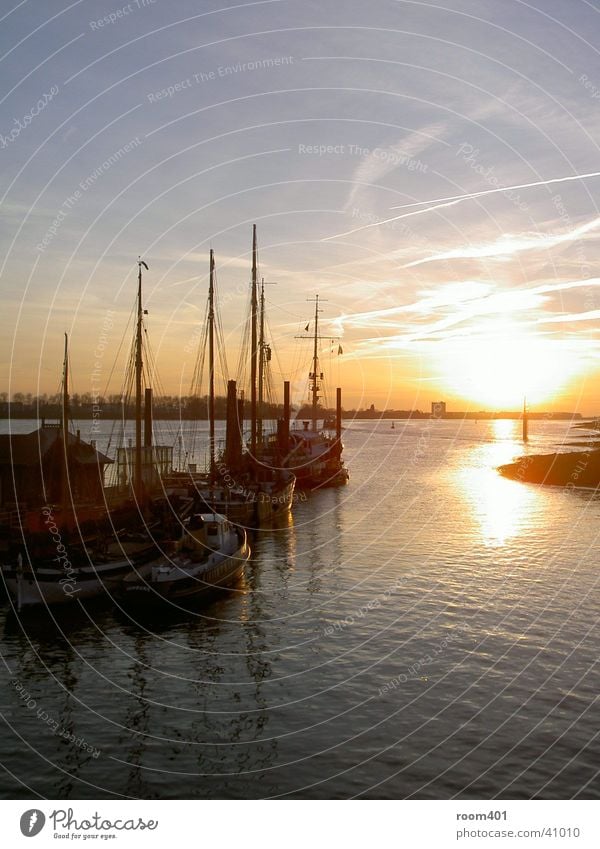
<point x="144" y="264"/>
<point x="306" y="328"/>
<point x="340" y="350"/>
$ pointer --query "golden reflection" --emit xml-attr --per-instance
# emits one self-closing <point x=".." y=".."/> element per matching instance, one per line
<point x="505" y="428"/>
<point x="501" y="508"/>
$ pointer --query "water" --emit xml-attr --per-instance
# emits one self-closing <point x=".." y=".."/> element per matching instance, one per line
<point x="428" y="631"/>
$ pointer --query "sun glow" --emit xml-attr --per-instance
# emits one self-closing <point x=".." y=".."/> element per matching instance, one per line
<point x="507" y="363"/>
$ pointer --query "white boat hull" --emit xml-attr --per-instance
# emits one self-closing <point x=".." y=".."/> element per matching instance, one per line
<point x="52" y="587"/>
<point x="181" y="579"/>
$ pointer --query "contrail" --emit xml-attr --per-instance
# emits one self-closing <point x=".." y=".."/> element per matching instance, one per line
<point x="440" y="203"/>
<point x="388" y="220"/>
<point x="503" y="189"/>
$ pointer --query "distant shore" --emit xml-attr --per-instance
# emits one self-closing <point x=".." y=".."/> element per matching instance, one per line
<point x="110" y="412"/>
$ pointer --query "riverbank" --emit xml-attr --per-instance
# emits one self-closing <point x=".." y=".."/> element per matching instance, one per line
<point x="571" y="469"/>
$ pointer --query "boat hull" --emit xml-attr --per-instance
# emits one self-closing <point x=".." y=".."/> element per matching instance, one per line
<point x="53" y="587"/>
<point x="275" y="501"/>
<point x="186" y="582"/>
<point x="46" y="584"/>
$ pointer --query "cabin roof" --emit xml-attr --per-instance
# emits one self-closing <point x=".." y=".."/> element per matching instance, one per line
<point x="26" y="449"/>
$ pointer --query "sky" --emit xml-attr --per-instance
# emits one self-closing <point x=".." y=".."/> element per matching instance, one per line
<point x="404" y="160"/>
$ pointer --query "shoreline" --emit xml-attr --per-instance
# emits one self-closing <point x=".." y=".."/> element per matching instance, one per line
<point x="570" y="470"/>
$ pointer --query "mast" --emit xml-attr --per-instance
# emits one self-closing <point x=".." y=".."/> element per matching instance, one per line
<point x="211" y="363"/>
<point x="314" y="376"/>
<point x="65" y="426"/>
<point x="65" y="395"/>
<point x="338" y="422"/>
<point x="148" y="417"/>
<point x="261" y="364"/>
<point x="525" y="421"/>
<point x="254" y="350"/>
<point x="138" y="385"/>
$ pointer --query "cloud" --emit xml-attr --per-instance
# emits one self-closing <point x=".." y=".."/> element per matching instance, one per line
<point x="380" y="161"/>
<point x="469" y="300"/>
<point x="509" y="244"/>
<point x="590" y="315"/>
<point x="453" y="200"/>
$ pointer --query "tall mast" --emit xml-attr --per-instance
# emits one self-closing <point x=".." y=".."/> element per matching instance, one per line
<point x="315" y="376"/>
<point x="254" y="353"/>
<point x="65" y="395"/>
<point x="65" y="426"/>
<point x="261" y="364"/>
<point x="138" y="385"/>
<point x="211" y="362"/>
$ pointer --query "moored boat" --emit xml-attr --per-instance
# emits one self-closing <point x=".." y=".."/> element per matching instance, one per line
<point x="209" y="557"/>
<point x="315" y="458"/>
<point x="314" y="453"/>
<point x="237" y="483"/>
<point x="63" y="581"/>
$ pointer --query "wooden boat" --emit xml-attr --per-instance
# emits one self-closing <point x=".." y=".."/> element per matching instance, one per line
<point x="61" y="581"/>
<point x="50" y="476"/>
<point x="73" y="551"/>
<point x="209" y="557"/>
<point x="315" y="459"/>
<point x="315" y="454"/>
<point x="237" y="484"/>
<point x="270" y="486"/>
<point x="274" y="498"/>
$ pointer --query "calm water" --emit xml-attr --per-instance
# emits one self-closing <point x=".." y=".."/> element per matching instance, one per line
<point x="428" y="631"/>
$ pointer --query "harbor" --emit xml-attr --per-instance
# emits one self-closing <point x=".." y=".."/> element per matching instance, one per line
<point x="347" y="634"/>
<point x="177" y="527"/>
<point x="299" y="423"/>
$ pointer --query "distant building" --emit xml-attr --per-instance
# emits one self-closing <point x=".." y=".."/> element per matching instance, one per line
<point x="438" y="409"/>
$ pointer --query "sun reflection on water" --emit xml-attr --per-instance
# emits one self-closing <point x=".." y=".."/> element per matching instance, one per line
<point x="501" y="508"/>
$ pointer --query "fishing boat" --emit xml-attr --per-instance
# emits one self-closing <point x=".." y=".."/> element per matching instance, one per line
<point x="50" y="471"/>
<point x="237" y="483"/>
<point x="315" y="458"/>
<point x="68" y="578"/>
<point x="244" y="481"/>
<point x="209" y="557"/>
<point x="315" y="454"/>
<point x="271" y="485"/>
<point x="85" y="536"/>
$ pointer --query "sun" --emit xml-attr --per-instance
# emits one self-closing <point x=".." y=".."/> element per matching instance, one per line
<point x="502" y="362"/>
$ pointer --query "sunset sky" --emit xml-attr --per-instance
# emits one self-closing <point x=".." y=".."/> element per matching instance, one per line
<point x="349" y="133"/>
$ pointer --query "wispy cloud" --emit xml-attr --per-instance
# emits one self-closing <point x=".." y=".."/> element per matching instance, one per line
<point x="380" y="161"/>
<point x="467" y="301"/>
<point x="567" y="318"/>
<point x="509" y="244"/>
